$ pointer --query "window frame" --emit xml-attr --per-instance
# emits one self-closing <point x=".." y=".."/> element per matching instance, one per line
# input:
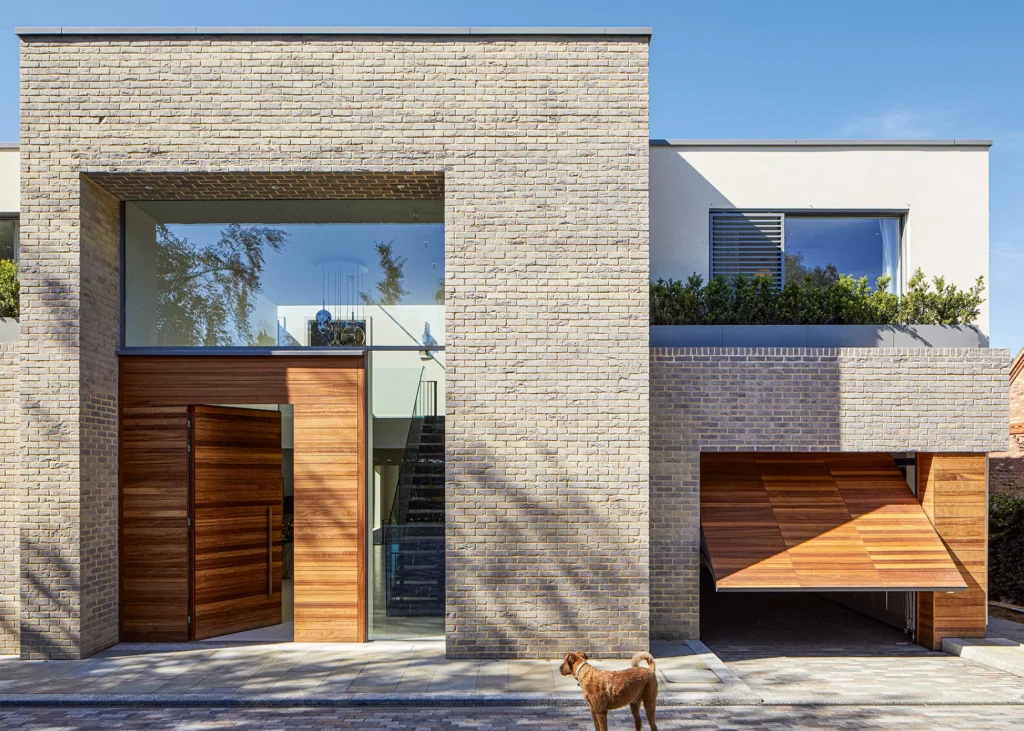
<point x="901" y="214"/>
<point x="16" y="217"/>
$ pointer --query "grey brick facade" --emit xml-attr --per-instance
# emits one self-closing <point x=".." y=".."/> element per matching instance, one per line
<point x="775" y="399"/>
<point x="542" y="141"/>
<point x="9" y="499"/>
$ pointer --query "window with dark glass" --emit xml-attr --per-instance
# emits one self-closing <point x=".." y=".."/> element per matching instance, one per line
<point x="284" y="273"/>
<point x="806" y="247"/>
<point x="9" y="232"/>
<point x="819" y="249"/>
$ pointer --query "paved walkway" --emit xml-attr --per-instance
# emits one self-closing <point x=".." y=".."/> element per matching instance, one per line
<point x="772" y="718"/>
<point x="295" y="672"/>
<point x="418" y="674"/>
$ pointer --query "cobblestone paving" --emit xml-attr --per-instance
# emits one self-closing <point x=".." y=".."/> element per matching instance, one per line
<point x="994" y="718"/>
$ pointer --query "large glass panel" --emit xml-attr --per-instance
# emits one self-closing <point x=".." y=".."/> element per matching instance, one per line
<point x="822" y="248"/>
<point x="284" y="273"/>
<point x="9" y="238"/>
<point x="407" y="404"/>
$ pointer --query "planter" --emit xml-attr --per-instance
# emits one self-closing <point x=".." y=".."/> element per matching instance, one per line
<point x="817" y="336"/>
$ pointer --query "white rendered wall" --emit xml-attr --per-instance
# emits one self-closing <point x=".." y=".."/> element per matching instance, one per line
<point x="943" y="189"/>
<point x="9" y="180"/>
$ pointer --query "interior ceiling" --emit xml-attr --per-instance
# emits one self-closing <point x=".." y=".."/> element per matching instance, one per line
<point x="355" y="185"/>
<point x="818" y="522"/>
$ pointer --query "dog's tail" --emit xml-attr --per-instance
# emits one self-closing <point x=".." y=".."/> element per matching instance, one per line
<point x="646" y="657"/>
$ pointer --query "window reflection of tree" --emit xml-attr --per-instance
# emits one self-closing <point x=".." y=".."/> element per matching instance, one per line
<point x="390" y="289"/>
<point x="819" y="277"/>
<point x="205" y="295"/>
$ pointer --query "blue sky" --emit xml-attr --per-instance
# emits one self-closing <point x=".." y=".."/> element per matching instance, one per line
<point x="725" y="69"/>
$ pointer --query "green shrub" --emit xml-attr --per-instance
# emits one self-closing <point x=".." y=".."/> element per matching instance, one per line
<point x="838" y="300"/>
<point x="1006" y="548"/>
<point x="10" y="304"/>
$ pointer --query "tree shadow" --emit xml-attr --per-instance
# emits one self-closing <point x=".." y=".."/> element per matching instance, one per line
<point x="537" y="568"/>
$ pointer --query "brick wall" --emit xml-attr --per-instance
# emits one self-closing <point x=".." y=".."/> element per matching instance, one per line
<point x="100" y="242"/>
<point x="1006" y="469"/>
<point x="9" y="502"/>
<point x="543" y="145"/>
<point x="856" y="400"/>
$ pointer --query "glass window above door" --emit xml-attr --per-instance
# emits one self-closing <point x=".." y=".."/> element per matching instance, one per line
<point x="283" y="273"/>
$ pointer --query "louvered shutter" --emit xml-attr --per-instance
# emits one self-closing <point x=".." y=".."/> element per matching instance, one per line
<point x="747" y="243"/>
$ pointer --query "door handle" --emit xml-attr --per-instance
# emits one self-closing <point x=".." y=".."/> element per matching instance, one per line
<point x="270" y="551"/>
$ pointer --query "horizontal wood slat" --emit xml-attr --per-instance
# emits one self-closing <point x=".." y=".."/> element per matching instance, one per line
<point x="185" y="380"/>
<point x="817" y="522"/>
<point x="330" y="571"/>
<point x="953" y="492"/>
<point x="237" y="507"/>
<point x="154" y="536"/>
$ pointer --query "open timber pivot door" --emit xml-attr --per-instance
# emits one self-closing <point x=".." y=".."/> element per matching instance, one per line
<point x="200" y="519"/>
<point x="236" y="519"/>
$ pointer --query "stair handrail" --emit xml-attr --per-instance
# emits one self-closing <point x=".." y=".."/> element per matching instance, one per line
<point x="392" y="518"/>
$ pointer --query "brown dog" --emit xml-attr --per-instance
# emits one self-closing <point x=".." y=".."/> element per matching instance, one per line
<point x="605" y="690"/>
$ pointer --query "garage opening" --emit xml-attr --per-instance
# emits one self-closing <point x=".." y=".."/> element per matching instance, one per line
<point x="815" y="551"/>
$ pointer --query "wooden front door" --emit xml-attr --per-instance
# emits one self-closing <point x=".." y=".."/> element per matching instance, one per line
<point x="236" y="508"/>
<point x="154" y="532"/>
<point x="224" y="565"/>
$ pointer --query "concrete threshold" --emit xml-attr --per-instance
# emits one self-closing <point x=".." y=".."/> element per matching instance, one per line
<point x="995" y="652"/>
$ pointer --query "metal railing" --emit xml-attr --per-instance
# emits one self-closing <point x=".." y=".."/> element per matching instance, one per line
<point x="426" y="399"/>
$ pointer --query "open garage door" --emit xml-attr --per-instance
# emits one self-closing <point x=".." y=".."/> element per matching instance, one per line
<point x="817" y="522"/>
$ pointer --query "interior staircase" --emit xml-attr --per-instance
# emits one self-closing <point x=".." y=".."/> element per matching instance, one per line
<point x="414" y="541"/>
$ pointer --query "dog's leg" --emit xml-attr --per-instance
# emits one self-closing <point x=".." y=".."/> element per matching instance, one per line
<point x="650" y="701"/>
<point x="603" y="720"/>
<point x="597" y="719"/>
<point x="635" y="708"/>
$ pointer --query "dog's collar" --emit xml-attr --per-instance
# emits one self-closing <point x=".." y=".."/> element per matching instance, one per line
<point x="575" y="673"/>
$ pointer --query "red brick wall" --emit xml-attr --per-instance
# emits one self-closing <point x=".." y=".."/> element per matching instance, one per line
<point x="1006" y="469"/>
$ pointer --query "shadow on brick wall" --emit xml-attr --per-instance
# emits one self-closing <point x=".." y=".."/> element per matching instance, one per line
<point x="537" y="568"/>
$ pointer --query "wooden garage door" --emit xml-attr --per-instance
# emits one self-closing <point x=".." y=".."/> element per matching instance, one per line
<point x="809" y="522"/>
<point x="236" y="505"/>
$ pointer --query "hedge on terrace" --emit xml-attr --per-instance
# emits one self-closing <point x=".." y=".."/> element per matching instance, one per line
<point x="832" y="300"/>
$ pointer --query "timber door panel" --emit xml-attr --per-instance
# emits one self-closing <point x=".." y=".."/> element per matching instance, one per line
<point x="154" y="534"/>
<point x="953" y="489"/>
<point x="237" y="501"/>
<point x="329" y="509"/>
<point x="328" y="394"/>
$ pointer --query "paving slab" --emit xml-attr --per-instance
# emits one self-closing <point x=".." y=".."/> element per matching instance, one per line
<point x="404" y="673"/>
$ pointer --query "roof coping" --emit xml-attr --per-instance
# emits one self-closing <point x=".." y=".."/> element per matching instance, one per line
<point x="821" y="143"/>
<point x="9" y="145"/>
<point x="331" y="31"/>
